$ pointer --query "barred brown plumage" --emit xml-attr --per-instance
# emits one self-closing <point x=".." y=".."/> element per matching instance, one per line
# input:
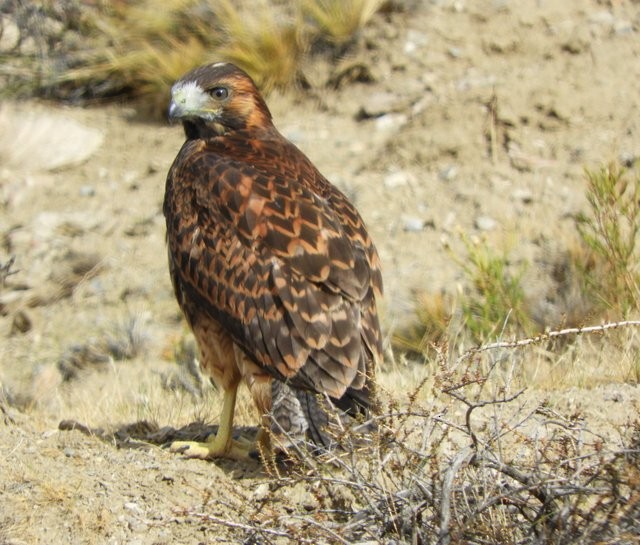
<point x="271" y="264"/>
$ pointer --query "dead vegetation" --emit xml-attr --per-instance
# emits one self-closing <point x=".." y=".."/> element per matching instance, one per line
<point x="466" y="456"/>
<point x="470" y="459"/>
<point x="134" y="50"/>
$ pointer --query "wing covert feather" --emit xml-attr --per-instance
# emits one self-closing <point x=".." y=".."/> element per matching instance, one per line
<point x="262" y="242"/>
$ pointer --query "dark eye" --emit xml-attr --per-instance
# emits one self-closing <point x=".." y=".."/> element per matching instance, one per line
<point x="219" y="92"/>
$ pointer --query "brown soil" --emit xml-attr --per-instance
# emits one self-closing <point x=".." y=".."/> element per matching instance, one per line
<point x="481" y="116"/>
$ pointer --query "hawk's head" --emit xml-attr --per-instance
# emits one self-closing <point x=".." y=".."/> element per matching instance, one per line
<point x="216" y="99"/>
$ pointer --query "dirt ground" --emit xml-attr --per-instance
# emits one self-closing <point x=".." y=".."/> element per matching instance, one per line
<point x="452" y="116"/>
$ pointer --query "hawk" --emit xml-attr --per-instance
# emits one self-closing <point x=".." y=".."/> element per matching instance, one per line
<point x="271" y="265"/>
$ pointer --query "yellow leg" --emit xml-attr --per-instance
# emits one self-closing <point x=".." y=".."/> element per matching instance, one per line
<point x="220" y="445"/>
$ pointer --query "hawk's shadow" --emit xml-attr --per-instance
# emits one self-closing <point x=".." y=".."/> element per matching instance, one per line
<point x="143" y="434"/>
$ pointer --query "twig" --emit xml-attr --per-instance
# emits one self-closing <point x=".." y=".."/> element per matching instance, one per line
<point x="308" y="520"/>
<point x="547" y="336"/>
<point x="444" y="536"/>
<point x="237" y="525"/>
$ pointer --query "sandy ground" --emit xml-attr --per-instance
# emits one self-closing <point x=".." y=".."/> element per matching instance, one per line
<point x="477" y="116"/>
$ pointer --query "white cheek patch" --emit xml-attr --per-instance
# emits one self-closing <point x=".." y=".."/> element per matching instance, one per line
<point x="189" y="95"/>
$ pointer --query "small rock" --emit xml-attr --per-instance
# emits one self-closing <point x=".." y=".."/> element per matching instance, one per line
<point x="137" y="527"/>
<point x="602" y="18"/>
<point x="575" y="45"/>
<point x="377" y="105"/>
<point x="50" y="27"/>
<point x="448" y="173"/>
<point x="40" y="139"/>
<point x="623" y="27"/>
<point x="502" y="44"/>
<point x="390" y="122"/>
<point x="261" y="492"/>
<point x="413" y="224"/>
<point x="87" y="191"/>
<point x="627" y="159"/>
<point x="9" y="35"/>
<point x="132" y="506"/>
<point x="416" y="40"/>
<point x="398" y="179"/>
<point x="485" y="223"/>
<point x="523" y="195"/>
<point x="21" y="323"/>
<point x="154" y="166"/>
<point x="29" y="47"/>
<point x="449" y="221"/>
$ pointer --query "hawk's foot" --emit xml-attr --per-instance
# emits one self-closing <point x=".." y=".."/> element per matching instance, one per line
<point x="213" y="447"/>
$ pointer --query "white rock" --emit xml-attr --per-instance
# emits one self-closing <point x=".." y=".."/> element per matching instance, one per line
<point x="398" y="178"/>
<point x="9" y="35"/>
<point x="485" y="223"/>
<point x="523" y="195"/>
<point x="261" y="491"/>
<point x="412" y="223"/>
<point x="34" y="139"/>
<point x="448" y="173"/>
<point x="390" y="122"/>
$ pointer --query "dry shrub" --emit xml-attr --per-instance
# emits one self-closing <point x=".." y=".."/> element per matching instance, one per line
<point x="465" y="458"/>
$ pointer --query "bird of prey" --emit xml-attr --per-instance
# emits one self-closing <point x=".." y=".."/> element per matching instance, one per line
<point x="271" y="264"/>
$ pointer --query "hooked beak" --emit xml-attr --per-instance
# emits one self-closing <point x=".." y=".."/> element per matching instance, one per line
<point x="175" y="112"/>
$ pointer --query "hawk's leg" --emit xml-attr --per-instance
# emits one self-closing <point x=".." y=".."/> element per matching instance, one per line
<point x="221" y="444"/>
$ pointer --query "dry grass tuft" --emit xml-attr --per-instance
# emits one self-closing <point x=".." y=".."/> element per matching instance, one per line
<point x="135" y="50"/>
<point x="340" y="20"/>
<point x="266" y="41"/>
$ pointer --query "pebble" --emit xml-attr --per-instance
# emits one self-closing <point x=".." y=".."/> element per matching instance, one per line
<point x="37" y="139"/>
<point x="398" y="178"/>
<point x="261" y="491"/>
<point x="87" y="191"/>
<point x="523" y="195"/>
<point x="390" y="122"/>
<point x="623" y="27"/>
<point x="21" y="323"/>
<point x="378" y="104"/>
<point x="602" y="18"/>
<point x="415" y="41"/>
<point x="448" y="173"/>
<point x="627" y="159"/>
<point x="485" y="223"/>
<point x="132" y="506"/>
<point x="413" y="223"/>
<point x="9" y="35"/>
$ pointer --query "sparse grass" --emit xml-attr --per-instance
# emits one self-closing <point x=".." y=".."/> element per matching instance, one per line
<point x="597" y="278"/>
<point x="492" y="305"/>
<point x="496" y="303"/>
<point x="609" y="230"/>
